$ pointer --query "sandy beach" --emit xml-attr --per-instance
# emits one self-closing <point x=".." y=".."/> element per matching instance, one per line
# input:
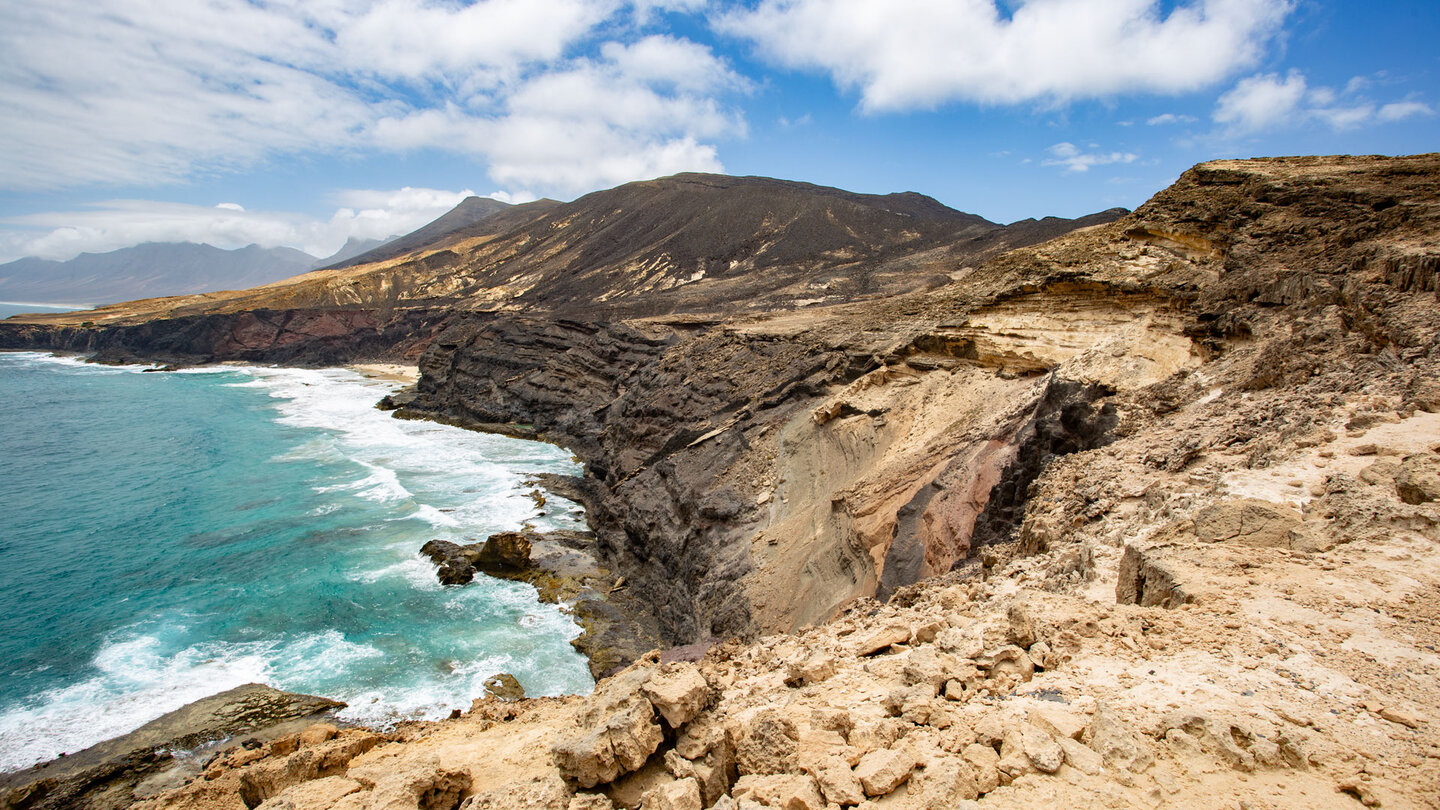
<point x="388" y="371"/>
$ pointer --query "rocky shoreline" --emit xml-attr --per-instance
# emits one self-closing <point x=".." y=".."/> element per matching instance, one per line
<point x="1143" y="515"/>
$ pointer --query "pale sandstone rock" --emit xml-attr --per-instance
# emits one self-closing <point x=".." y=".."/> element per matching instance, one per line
<point x="839" y="783"/>
<point x="962" y="642"/>
<point x="679" y="692"/>
<point x="1059" y="719"/>
<point x="620" y="744"/>
<point x="544" y="793"/>
<point x="316" y="734"/>
<point x="1398" y="715"/>
<point x="1044" y="752"/>
<point x="879" y="640"/>
<point x="316" y="794"/>
<point x="589" y="801"/>
<point x="1418" y="480"/>
<point x="944" y="782"/>
<point x="266" y="779"/>
<point x="787" y="791"/>
<point x="683" y="794"/>
<point x="1111" y="737"/>
<point x="1080" y="756"/>
<point x="769" y="744"/>
<point x="1247" y="522"/>
<point x="1021" y="629"/>
<point x="423" y="785"/>
<point x="987" y="766"/>
<point x="880" y="772"/>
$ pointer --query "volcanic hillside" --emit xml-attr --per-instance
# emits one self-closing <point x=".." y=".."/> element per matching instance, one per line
<point x="692" y="243"/>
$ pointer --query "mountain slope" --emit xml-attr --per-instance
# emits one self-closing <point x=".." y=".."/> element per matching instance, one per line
<point x="148" y="270"/>
<point x="470" y="212"/>
<point x="688" y="244"/>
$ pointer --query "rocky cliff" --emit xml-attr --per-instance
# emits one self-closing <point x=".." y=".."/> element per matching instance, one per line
<point x="1142" y="515"/>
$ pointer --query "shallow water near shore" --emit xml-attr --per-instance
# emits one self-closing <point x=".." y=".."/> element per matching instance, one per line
<point x="167" y="536"/>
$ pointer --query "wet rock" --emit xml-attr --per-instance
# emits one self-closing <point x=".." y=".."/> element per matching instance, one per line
<point x="504" y="550"/>
<point x="455" y="567"/>
<point x="505" y="686"/>
<point x="679" y="692"/>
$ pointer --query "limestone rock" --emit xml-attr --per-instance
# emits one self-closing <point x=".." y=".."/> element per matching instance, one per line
<point x="316" y="794"/>
<point x="987" y="766"/>
<point x="962" y="642"/>
<point x="789" y="791"/>
<point x="619" y="743"/>
<point x="683" y="794"/>
<point x="880" y="772"/>
<point x="1111" y="737"/>
<point x="679" y="692"/>
<point x="839" y="783"/>
<point x="1247" y="522"/>
<point x="879" y="640"/>
<point x="1418" y="480"/>
<point x="1044" y="752"/>
<point x="1148" y="579"/>
<point x="769" y="744"/>
<point x="425" y="785"/>
<point x="1080" y="756"/>
<point x="267" y="779"/>
<point x="543" y="793"/>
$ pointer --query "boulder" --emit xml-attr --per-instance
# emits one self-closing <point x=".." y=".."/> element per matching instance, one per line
<point x="267" y="779"/>
<point x="504" y="551"/>
<point x="618" y="743"/>
<point x="317" y="794"/>
<point x="880" y="772"/>
<point x="838" y="782"/>
<point x="769" y="744"/>
<point x="682" y="794"/>
<point x="542" y="793"/>
<point x="789" y="791"/>
<point x="1247" y="522"/>
<point x="455" y="566"/>
<point x="1111" y="737"/>
<point x="423" y="785"/>
<point x="879" y="640"/>
<point x="1043" y="751"/>
<point x="1418" y="480"/>
<point x="986" y="764"/>
<point x="505" y="686"/>
<point x="679" y="692"/>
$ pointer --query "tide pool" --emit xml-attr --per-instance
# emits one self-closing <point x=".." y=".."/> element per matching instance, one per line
<point x="166" y="536"/>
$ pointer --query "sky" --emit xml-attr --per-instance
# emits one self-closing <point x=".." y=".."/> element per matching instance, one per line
<point x="307" y="122"/>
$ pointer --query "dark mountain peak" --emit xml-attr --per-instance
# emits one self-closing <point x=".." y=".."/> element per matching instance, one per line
<point x="466" y="214"/>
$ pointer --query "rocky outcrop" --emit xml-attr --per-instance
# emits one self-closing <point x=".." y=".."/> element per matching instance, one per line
<point x="123" y="770"/>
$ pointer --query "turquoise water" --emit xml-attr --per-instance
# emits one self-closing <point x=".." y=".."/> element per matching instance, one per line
<point x="165" y="536"/>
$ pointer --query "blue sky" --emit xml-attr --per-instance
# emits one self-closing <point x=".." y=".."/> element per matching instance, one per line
<point x="305" y="122"/>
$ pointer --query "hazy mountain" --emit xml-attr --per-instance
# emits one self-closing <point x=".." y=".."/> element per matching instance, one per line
<point x="147" y="271"/>
<point x="353" y="247"/>
<point x="468" y="213"/>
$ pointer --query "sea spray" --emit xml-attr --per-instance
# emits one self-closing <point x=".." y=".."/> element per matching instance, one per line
<point x="167" y="536"/>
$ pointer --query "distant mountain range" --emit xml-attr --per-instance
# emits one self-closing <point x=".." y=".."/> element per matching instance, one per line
<point x="157" y="269"/>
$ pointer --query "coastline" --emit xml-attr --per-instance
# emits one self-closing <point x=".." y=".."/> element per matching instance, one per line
<point x="404" y="375"/>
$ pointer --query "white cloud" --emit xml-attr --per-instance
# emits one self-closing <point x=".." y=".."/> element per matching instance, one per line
<point x="1170" y="118"/>
<point x="1074" y="160"/>
<point x="1400" y="110"/>
<point x="1267" y="102"/>
<point x="906" y="54"/>
<point x="127" y="92"/>
<point x="362" y="213"/>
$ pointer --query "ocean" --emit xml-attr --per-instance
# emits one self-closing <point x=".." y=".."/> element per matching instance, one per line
<point x="166" y="536"/>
